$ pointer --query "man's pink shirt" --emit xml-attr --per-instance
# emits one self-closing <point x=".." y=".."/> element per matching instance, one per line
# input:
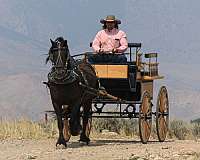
<point x="108" y="40"/>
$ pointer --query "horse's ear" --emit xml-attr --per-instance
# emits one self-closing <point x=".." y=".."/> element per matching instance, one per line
<point x="52" y="42"/>
<point x="65" y="43"/>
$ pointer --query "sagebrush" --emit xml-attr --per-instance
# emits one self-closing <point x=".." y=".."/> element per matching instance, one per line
<point x="26" y="129"/>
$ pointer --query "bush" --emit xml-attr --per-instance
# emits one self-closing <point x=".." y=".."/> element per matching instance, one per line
<point x="25" y="129"/>
<point x="196" y="130"/>
<point x="180" y="129"/>
<point x="128" y="127"/>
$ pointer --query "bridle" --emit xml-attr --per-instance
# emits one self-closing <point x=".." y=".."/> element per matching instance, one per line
<point x="61" y="72"/>
<point x="59" y="62"/>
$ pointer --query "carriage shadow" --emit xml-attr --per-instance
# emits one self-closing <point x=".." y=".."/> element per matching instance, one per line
<point x="114" y="141"/>
<point x="104" y="142"/>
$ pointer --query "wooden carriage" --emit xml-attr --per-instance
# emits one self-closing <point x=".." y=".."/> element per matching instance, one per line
<point x="129" y="86"/>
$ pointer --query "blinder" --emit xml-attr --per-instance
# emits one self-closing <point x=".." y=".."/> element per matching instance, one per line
<point x="55" y="60"/>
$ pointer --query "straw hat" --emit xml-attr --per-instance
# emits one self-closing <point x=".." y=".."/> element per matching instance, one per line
<point x="110" y="18"/>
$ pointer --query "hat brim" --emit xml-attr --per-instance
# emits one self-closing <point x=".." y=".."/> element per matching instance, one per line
<point x="103" y="21"/>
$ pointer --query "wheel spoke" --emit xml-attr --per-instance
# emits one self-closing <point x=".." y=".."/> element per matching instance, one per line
<point x="164" y="129"/>
<point x="162" y="104"/>
<point x="149" y="112"/>
<point x="148" y="125"/>
<point x="146" y="105"/>
<point x="146" y="130"/>
<point x="142" y="116"/>
<point x="165" y="125"/>
<point x="161" y="125"/>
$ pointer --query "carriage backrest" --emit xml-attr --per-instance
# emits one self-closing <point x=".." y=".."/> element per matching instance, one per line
<point x="130" y="45"/>
<point x="137" y="47"/>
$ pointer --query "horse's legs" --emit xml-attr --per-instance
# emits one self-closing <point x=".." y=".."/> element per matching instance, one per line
<point x="86" y="113"/>
<point x="58" y="111"/>
<point x="75" y="119"/>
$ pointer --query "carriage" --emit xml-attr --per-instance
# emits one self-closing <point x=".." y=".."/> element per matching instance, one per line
<point x="128" y="88"/>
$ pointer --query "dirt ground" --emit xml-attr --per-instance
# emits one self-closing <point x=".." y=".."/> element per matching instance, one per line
<point x="102" y="148"/>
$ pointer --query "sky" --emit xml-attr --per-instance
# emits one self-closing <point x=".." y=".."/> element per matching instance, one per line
<point x="168" y="27"/>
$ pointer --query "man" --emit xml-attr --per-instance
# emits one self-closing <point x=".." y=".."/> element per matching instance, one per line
<point x="110" y="43"/>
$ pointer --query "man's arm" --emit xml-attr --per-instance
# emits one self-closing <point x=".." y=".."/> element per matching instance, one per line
<point x="96" y="44"/>
<point x="123" y="43"/>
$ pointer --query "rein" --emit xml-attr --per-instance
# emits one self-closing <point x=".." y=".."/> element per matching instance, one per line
<point x="59" y="62"/>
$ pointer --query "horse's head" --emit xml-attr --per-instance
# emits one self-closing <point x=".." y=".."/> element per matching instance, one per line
<point x="59" y="53"/>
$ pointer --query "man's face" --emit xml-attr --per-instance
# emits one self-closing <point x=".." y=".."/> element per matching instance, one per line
<point x="110" y="25"/>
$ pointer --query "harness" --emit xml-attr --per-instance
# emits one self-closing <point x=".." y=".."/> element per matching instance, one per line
<point x="64" y="75"/>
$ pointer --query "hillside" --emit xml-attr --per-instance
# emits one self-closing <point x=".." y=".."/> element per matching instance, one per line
<point x="23" y="95"/>
<point x="169" y="28"/>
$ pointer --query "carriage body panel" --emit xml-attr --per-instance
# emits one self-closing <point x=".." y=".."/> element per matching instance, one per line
<point x="120" y="88"/>
<point x="111" y="70"/>
<point x="116" y="79"/>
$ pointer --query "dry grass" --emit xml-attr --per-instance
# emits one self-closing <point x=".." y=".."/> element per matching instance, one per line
<point x="196" y="156"/>
<point x="129" y="127"/>
<point x="25" y="129"/>
<point x="125" y="127"/>
<point x="184" y="130"/>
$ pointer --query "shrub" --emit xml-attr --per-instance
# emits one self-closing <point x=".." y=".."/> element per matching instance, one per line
<point x="128" y="127"/>
<point x="23" y="129"/>
<point x="180" y="129"/>
<point x="196" y="130"/>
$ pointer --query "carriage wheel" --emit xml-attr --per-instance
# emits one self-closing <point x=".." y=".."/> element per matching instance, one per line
<point x="162" y="114"/>
<point x="88" y="127"/>
<point x="89" y="124"/>
<point x="145" y="117"/>
<point x="66" y="130"/>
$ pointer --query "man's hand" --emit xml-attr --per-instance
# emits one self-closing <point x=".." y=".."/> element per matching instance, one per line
<point x="114" y="50"/>
<point x="101" y="51"/>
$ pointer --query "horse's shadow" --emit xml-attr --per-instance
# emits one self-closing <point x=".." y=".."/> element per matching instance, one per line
<point x="103" y="142"/>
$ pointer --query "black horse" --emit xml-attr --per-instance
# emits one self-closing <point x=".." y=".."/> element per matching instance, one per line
<point x="65" y="89"/>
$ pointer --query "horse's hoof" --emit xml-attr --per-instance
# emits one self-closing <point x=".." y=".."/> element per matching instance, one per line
<point x="61" y="142"/>
<point x="84" y="139"/>
<point x="61" y="146"/>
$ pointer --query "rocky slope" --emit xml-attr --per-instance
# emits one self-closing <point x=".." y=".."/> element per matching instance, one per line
<point x="169" y="28"/>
